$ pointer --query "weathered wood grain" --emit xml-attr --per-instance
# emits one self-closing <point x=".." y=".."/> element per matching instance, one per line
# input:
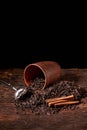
<point x="12" y="118"/>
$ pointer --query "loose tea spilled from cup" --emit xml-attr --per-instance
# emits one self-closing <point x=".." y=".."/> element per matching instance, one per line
<point x="35" y="99"/>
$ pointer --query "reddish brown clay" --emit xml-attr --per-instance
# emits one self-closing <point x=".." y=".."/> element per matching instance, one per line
<point x="50" y="70"/>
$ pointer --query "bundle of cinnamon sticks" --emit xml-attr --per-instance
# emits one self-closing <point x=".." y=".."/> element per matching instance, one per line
<point x="66" y="100"/>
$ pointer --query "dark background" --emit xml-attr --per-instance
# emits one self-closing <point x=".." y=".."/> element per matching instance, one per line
<point x="19" y="55"/>
<point x="31" y="37"/>
<point x="20" y="47"/>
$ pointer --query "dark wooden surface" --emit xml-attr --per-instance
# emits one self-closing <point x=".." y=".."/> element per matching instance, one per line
<point x="13" y="118"/>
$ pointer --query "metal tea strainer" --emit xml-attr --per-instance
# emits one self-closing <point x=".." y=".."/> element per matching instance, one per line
<point x="18" y="92"/>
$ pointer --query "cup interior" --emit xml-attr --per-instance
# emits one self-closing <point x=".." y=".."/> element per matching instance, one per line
<point x="31" y="72"/>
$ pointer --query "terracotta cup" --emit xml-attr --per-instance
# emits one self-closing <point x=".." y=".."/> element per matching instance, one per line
<point x="50" y="70"/>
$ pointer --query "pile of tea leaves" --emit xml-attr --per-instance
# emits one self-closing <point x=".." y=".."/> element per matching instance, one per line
<point x="34" y="100"/>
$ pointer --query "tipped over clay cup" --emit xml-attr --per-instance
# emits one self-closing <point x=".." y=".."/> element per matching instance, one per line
<point x="50" y="71"/>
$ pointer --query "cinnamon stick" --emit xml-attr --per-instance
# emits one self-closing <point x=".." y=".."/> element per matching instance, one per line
<point x="70" y="97"/>
<point x="66" y="103"/>
<point x="55" y="102"/>
<point x="66" y="100"/>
